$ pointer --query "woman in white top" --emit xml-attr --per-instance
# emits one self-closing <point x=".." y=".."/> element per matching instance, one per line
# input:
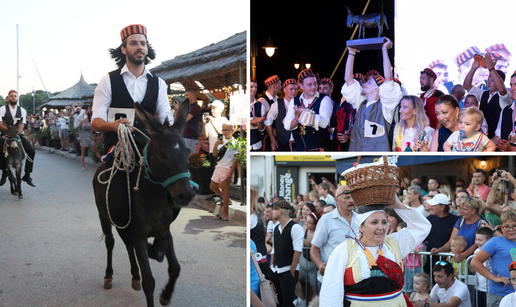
<point x="413" y="121"/>
<point x="366" y="271"/>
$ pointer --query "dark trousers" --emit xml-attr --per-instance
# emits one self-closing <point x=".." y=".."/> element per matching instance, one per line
<point x="285" y="287"/>
<point x="28" y="149"/>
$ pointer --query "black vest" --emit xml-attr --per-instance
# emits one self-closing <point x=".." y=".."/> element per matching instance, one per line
<point x="313" y="139"/>
<point x="269" y="101"/>
<point x="506" y="122"/>
<point x="491" y="111"/>
<point x="258" y="237"/>
<point x="282" y="135"/>
<point x="283" y="247"/>
<point x="256" y="136"/>
<point x="120" y="98"/>
<point x="8" y="117"/>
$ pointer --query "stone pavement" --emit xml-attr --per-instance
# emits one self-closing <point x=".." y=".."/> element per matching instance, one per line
<point x="237" y="213"/>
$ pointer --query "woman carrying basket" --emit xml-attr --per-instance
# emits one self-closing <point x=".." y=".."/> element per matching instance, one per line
<point x="367" y="270"/>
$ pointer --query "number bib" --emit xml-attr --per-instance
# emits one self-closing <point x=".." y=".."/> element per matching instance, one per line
<point x="373" y="130"/>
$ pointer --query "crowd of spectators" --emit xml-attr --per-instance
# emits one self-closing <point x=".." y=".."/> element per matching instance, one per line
<point x="478" y="219"/>
<point x="375" y="112"/>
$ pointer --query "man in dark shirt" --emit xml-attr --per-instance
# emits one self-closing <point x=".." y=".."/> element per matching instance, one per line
<point x="442" y="225"/>
<point x="191" y="131"/>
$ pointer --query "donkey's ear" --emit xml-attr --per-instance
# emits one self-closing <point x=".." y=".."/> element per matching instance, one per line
<point x="152" y="124"/>
<point x="349" y="11"/>
<point x="181" y="115"/>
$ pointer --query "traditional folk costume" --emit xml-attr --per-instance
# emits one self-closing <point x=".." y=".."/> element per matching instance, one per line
<point x="257" y="110"/>
<point x="275" y="118"/>
<point x="357" y="275"/>
<point x="507" y="123"/>
<point x="430" y="97"/>
<point x="373" y="119"/>
<point x="405" y="139"/>
<point x="344" y="120"/>
<point x="312" y="137"/>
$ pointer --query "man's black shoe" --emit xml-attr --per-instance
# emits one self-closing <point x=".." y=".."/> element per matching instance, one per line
<point x="27" y="179"/>
<point x="4" y="178"/>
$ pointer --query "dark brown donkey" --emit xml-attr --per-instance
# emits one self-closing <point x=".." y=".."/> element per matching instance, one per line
<point x="15" y="156"/>
<point x="367" y="21"/>
<point x="153" y="207"/>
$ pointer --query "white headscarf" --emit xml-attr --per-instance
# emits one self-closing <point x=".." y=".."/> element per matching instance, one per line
<point x="360" y="219"/>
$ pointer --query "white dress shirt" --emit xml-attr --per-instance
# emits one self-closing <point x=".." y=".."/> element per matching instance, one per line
<point x="13" y="113"/>
<point x="136" y="86"/>
<point x="321" y="120"/>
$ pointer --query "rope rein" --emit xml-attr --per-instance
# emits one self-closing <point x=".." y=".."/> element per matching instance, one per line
<point x="8" y="138"/>
<point x="124" y="160"/>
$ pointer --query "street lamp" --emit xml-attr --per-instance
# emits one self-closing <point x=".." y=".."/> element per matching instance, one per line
<point x="269" y="46"/>
<point x="308" y="65"/>
<point x="296" y="66"/>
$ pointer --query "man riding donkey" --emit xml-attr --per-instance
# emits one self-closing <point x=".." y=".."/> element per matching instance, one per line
<point x="113" y="105"/>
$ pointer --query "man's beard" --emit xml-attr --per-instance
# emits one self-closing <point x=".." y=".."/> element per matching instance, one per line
<point x="13" y="103"/>
<point x="425" y="88"/>
<point x="135" y="61"/>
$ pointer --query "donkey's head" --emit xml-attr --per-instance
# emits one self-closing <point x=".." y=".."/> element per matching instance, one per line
<point x="13" y="132"/>
<point x="350" y="18"/>
<point x="167" y="154"/>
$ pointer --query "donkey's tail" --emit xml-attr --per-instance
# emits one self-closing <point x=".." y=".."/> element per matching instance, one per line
<point x="385" y="22"/>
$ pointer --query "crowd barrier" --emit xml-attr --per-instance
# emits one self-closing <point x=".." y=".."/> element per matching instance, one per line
<point x="469" y="279"/>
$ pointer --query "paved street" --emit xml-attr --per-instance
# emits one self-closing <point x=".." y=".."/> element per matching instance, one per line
<point x="51" y="252"/>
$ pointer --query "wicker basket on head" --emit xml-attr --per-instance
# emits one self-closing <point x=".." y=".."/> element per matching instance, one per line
<point x="372" y="184"/>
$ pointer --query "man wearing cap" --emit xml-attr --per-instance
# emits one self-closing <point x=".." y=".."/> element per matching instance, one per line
<point x="447" y="290"/>
<point x="430" y="94"/>
<point x="130" y="83"/>
<point x="286" y="251"/>
<point x="374" y="115"/>
<point x="212" y="126"/>
<point x="332" y="230"/>
<point x="12" y="113"/>
<point x="281" y="139"/>
<point x="370" y="74"/>
<point x="492" y="101"/>
<point x="273" y="84"/>
<point x="316" y="109"/>
<point x="505" y="56"/>
<point x="441" y="70"/>
<point x="510" y="299"/>
<point x="258" y="115"/>
<point x="442" y="224"/>
<point x="464" y="61"/>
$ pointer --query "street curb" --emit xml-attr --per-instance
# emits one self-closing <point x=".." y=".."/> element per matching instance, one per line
<point x="87" y="160"/>
<point x="235" y="215"/>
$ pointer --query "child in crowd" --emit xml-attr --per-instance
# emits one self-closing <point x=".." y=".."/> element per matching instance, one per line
<point x="468" y="138"/>
<point x="458" y="245"/>
<point x="313" y="196"/>
<point x="471" y="101"/>
<point x="412" y="265"/>
<point x="422" y="287"/>
<point x="324" y="194"/>
<point x="482" y="235"/>
<point x="224" y="170"/>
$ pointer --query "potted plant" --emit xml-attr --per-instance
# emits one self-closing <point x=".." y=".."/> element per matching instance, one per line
<point x="200" y="172"/>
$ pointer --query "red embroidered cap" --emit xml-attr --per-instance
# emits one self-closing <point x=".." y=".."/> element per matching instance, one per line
<point x="289" y="82"/>
<point x="12" y="91"/>
<point x="133" y="29"/>
<point x="466" y="55"/>
<point x="512" y="266"/>
<point x="429" y="72"/>
<point x="434" y="63"/>
<point x="305" y="74"/>
<point x="372" y="72"/>
<point x="271" y="80"/>
<point x="379" y="79"/>
<point x="253" y="79"/>
<point x="359" y="77"/>
<point x="496" y="47"/>
<point x="327" y="81"/>
<point x="397" y="81"/>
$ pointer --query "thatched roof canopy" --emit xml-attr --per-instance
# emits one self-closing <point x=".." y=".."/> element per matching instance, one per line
<point x="214" y="66"/>
<point x="79" y="93"/>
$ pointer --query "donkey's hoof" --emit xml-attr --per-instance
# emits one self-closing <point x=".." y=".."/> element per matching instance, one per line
<point x="163" y="301"/>
<point x="137" y="286"/>
<point x="20" y="196"/>
<point x="14" y="193"/>
<point x="108" y="283"/>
